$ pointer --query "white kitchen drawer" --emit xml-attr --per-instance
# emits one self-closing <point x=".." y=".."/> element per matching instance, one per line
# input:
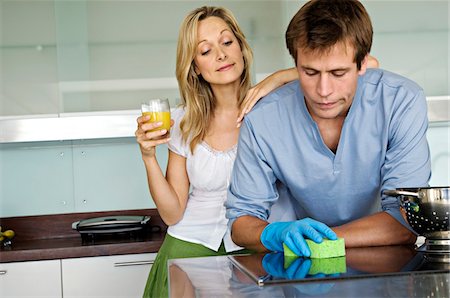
<point x="31" y="279"/>
<point x="110" y="276"/>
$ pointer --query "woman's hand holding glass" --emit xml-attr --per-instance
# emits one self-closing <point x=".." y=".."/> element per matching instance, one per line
<point x="153" y="126"/>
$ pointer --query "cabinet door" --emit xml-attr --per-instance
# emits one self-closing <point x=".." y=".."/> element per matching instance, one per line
<point x="111" y="276"/>
<point x="31" y="279"/>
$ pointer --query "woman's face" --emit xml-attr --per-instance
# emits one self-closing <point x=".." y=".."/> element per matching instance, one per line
<point x="219" y="56"/>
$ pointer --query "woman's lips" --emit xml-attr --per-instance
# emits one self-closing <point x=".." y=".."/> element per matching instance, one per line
<point x="226" y="67"/>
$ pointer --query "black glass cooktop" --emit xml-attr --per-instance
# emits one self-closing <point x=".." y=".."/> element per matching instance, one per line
<point x="271" y="268"/>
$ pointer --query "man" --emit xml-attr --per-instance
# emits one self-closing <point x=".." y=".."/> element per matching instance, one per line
<point x="336" y="139"/>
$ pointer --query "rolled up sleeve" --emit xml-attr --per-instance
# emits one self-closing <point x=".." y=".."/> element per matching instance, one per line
<point x="252" y="189"/>
<point x="407" y="162"/>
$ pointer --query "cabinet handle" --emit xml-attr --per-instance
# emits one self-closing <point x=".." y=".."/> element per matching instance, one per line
<point x="3" y="272"/>
<point x="134" y="263"/>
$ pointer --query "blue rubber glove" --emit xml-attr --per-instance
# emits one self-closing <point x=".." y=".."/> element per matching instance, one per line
<point x="293" y="234"/>
<point x="273" y="264"/>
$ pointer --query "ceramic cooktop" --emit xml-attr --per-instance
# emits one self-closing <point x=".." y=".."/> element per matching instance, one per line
<point x="271" y="268"/>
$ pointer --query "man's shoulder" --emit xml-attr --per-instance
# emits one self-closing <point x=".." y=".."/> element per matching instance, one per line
<point x="378" y="76"/>
<point x="281" y="96"/>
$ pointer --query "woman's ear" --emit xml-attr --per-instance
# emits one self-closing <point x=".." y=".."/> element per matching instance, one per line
<point x="197" y="71"/>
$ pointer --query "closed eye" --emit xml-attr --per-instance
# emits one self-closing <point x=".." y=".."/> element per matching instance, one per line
<point x="204" y="53"/>
<point x="339" y="73"/>
<point x="228" y="43"/>
<point x="310" y="72"/>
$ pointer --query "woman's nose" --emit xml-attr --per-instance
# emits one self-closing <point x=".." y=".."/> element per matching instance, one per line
<point x="221" y="55"/>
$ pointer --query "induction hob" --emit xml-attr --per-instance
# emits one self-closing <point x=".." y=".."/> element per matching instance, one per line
<point x="274" y="268"/>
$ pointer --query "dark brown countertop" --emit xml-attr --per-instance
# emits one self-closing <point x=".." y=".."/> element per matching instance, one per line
<point x="51" y="237"/>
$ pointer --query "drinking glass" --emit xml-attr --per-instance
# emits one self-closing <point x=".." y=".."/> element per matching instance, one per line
<point x="159" y="111"/>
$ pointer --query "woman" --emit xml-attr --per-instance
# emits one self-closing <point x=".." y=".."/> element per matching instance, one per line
<point x="213" y="73"/>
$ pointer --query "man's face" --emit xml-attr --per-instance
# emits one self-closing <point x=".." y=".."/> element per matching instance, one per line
<point x="329" y="80"/>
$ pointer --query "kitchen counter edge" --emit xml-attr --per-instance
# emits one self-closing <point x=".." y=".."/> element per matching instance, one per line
<point x="49" y="237"/>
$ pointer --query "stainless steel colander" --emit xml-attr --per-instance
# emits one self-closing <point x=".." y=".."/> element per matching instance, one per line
<point x="427" y="209"/>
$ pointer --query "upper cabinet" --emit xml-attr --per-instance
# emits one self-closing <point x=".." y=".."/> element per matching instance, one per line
<point x="78" y="56"/>
<point x="83" y="56"/>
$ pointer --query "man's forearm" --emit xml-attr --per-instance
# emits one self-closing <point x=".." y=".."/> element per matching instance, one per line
<point x="246" y="232"/>
<point x="375" y="230"/>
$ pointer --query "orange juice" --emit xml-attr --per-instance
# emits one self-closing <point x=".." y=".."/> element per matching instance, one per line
<point x="164" y="117"/>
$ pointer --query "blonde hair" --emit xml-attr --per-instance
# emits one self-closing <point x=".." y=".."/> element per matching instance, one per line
<point x="196" y="94"/>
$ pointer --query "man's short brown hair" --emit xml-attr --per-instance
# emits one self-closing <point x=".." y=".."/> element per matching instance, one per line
<point x="320" y="24"/>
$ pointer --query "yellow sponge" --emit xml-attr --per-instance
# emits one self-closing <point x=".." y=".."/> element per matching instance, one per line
<point x="326" y="249"/>
<point x="328" y="266"/>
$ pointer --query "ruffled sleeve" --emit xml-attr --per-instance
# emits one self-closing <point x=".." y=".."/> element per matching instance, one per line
<point x="176" y="143"/>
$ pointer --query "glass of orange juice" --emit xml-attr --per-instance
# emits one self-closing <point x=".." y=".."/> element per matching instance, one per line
<point x="159" y="111"/>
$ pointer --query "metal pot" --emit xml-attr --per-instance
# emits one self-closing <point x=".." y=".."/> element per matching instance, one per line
<point x="427" y="209"/>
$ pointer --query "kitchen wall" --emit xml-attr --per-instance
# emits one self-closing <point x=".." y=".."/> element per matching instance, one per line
<point x="63" y="57"/>
<point x="76" y="56"/>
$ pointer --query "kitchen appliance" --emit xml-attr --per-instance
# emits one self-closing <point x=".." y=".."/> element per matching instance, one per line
<point x="359" y="263"/>
<point x="109" y="225"/>
<point x="428" y="211"/>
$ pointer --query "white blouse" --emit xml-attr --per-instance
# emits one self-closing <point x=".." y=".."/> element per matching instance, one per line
<point x="209" y="173"/>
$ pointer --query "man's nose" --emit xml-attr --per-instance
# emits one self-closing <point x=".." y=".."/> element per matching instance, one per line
<point x="324" y="86"/>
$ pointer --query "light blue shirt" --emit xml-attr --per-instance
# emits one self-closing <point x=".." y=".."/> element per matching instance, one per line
<point x="382" y="146"/>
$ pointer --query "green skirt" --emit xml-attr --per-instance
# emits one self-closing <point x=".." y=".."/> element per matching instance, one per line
<point x="174" y="248"/>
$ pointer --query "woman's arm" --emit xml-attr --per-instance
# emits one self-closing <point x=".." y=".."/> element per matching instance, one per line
<point x="372" y="62"/>
<point x="169" y="193"/>
<point x="263" y="88"/>
<point x="274" y="81"/>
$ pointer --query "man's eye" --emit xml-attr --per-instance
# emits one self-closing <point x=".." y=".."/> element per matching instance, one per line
<point x="310" y="72"/>
<point x="338" y="73"/>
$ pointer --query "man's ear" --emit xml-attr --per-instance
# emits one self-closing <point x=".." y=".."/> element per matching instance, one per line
<point x="363" y="65"/>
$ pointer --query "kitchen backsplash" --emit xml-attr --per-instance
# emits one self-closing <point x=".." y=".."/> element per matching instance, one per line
<point x="108" y="174"/>
<point x="73" y="176"/>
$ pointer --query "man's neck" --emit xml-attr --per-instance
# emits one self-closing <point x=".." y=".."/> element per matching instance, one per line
<point x="330" y="131"/>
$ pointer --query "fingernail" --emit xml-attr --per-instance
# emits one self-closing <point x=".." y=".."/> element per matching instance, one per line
<point x="159" y="123"/>
<point x="306" y="253"/>
<point x="163" y="131"/>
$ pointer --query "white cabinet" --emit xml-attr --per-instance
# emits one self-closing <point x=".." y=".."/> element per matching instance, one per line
<point x="31" y="279"/>
<point x="110" y="276"/>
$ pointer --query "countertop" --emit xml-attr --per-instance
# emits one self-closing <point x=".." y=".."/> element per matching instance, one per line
<point x="51" y="237"/>
<point x="384" y="275"/>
